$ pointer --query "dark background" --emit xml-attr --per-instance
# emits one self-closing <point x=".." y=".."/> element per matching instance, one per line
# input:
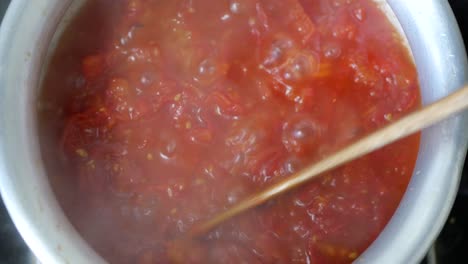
<point x="451" y="246"/>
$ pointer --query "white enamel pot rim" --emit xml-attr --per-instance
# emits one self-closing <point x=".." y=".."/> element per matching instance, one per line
<point x="25" y="36"/>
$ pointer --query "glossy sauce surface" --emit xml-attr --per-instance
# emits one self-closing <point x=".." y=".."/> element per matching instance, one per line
<point x="157" y="114"/>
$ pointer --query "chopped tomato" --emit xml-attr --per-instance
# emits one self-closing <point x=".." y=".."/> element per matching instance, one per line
<point x="163" y="113"/>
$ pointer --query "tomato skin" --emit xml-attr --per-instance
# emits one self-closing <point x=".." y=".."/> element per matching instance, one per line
<point x="164" y="113"/>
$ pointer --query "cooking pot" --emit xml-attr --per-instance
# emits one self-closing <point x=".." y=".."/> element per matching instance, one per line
<point x="27" y="36"/>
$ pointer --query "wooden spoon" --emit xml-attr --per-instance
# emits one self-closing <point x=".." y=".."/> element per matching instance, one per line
<point x="405" y="126"/>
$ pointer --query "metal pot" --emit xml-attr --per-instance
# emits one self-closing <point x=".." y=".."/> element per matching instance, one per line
<point x="26" y="37"/>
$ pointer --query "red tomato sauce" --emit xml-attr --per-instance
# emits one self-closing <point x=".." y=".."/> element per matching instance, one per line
<point x="158" y="114"/>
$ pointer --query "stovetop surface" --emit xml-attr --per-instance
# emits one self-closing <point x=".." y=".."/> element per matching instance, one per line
<point x="451" y="246"/>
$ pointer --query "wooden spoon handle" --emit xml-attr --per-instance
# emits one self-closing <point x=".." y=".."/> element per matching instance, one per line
<point x="405" y="126"/>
